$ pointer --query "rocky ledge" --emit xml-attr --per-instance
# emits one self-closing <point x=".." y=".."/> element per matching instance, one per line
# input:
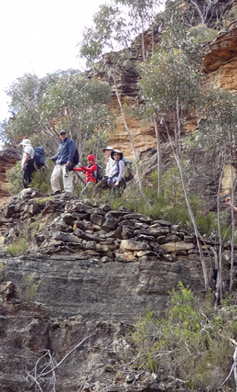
<point x="67" y="300"/>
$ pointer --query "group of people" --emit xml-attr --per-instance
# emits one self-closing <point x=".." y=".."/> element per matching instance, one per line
<point x="63" y="170"/>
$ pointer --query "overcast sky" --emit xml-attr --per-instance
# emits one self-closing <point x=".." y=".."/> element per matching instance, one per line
<point x="40" y="37"/>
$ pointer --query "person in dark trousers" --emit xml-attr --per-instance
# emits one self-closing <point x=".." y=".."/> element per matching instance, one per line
<point x="64" y="157"/>
<point x="104" y="184"/>
<point x="90" y="172"/>
<point x="117" y="181"/>
<point x="27" y="162"/>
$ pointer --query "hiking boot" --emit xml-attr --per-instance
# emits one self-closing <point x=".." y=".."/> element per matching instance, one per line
<point x="55" y="193"/>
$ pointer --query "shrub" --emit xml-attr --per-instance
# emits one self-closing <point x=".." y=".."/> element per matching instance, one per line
<point x="191" y="342"/>
<point x="18" y="248"/>
<point x="41" y="178"/>
<point x="29" y="292"/>
<point x="15" y="176"/>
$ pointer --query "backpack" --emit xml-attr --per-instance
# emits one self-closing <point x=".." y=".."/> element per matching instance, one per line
<point x="39" y="157"/>
<point x="98" y="174"/>
<point x="75" y="161"/>
<point x="128" y="174"/>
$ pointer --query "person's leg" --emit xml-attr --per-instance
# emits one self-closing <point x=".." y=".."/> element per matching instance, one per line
<point x="67" y="179"/>
<point x="102" y="184"/>
<point x="118" y="191"/>
<point x="25" y="179"/>
<point x="27" y="175"/>
<point x="30" y="170"/>
<point x="55" y="178"/>
<point x="121" y="187"/>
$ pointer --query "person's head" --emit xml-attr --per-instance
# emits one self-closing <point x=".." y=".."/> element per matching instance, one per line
<point x="25" y="142"/>
<point x="107" y="151"/>
<point x="90" y="159"/>
<point x="63" y="134"/>
<point x="116" y="155"/>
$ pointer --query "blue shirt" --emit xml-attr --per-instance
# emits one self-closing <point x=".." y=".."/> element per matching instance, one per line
<point x="66" y="151"/>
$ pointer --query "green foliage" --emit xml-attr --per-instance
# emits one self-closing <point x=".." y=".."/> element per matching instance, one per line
<point x="15" y="176"/>
<point x="230" y="16"/>
<point x="19" y="247"/>
<point x="41" y="178"/>
<point x="202" y="34"/>
<point x="189" y="342"/>
<point x="29" y="292"/>
<point x="65" y="99"/>
<point x="109" y="33"/>
<point x="2" y="271"/>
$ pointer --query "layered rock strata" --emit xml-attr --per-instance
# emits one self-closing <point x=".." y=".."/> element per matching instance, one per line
<point x="89" y="272"/>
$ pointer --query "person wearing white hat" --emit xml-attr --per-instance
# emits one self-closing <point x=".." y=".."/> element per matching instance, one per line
<point x="27" y="162"/>
<point x="104" y="183"/>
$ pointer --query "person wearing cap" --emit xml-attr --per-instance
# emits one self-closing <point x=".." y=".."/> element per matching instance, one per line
<point x="117" y="181"/>
<point x="64" y="157"/>
<point x="27" y="162"/>
<point x="105" y="182"/>
<point x="90" y="172"/>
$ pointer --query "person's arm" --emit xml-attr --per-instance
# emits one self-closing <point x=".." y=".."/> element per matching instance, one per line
<point x="228" y="201"/>
<point x="90" y="169"/>
<point x="27" y="157"/>
<point x="80" y="169"/>
<point x="54" y="158"/>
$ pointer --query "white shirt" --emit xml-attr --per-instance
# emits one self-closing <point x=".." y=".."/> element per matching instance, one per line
<point x="27" y="150"/>
<point x="109" y="167"/>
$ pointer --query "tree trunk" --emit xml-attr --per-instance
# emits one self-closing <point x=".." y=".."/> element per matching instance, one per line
<point x="190" y="211"/>
<point x="159" y="159"/>
<point x="131" y="142"/>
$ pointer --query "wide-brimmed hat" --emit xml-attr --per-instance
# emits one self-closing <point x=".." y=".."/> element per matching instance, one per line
<point x="118" y="152"/>
<point x="108" y="148"/>
<point x="25" y="142"/>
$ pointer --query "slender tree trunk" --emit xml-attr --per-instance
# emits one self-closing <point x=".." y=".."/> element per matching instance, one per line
<point x="219" y="291"/>
<point x="232" y="234"/>
<point x="190" y="211"/>
<point x="131" y="142"/>
<point x="159" y="159"/>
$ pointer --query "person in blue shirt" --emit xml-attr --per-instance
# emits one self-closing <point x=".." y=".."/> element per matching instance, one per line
<point x="64" y="157"/>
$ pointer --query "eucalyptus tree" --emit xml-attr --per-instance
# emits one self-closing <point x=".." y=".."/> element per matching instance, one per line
<point x="142" y="15"/>
<point x="79" y="104"/>
<point x="105" y="46"/>
<point x="25" y="95"/>
<point x="171" y="87"/>
<point x="218" y="133"/>
<point x="39" y="107"/>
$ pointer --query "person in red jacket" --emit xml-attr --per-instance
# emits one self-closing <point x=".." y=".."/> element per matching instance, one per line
<point x="90" y="172"/>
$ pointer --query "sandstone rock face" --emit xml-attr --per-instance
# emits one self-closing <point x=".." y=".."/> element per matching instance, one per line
<point x="221" y="61"/>
<point x="89" y="271"/>
<point x="8" y="159"/>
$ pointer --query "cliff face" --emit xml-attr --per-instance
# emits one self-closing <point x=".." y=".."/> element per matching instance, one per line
<point x="220" y="65"/>
<point x="67" y="302"/>
<point x="89" y="271"/>
<point x="8" y="158"/>
<point x="221" y="69"/>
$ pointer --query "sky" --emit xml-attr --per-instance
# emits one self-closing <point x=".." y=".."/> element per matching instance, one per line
<point x="40" y="37"/>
